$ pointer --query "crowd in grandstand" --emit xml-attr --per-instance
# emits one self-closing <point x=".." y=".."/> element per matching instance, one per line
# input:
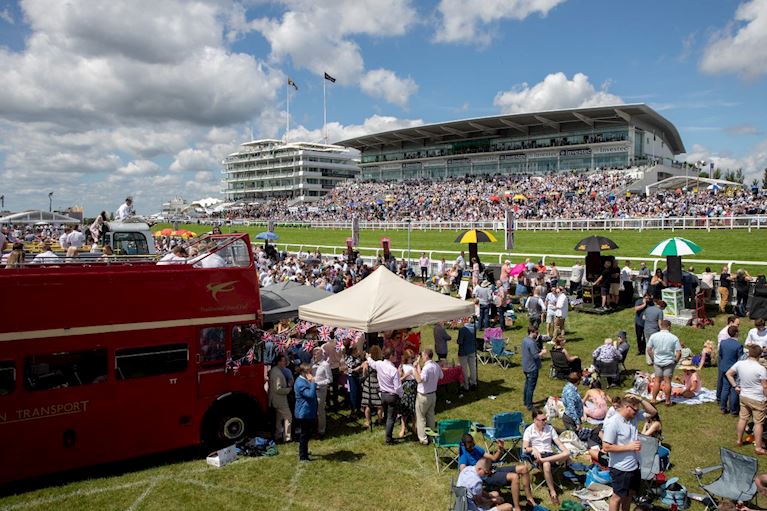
<point x="557" y="195"/>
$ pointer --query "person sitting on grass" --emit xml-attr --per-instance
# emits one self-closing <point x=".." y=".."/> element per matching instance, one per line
<point x="595" y="402"/>
<point x="471" y="454"/>
<point x="538" y="442"/>
<point x="707" y="355"/>
<point x="691" y="381"/>
<point x="480" y="499"/>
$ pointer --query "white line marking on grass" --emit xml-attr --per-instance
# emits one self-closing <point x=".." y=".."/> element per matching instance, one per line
<point x="77" y="493"/>
<point x="140" y="498"/>
<point x="293" y="486"/>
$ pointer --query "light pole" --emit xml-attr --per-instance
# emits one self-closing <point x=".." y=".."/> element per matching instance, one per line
<point x="2" y="202"/>
<point x="50" y="202"/>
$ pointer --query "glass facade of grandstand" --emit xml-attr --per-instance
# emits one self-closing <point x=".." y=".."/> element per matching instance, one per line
<point x="581" y="139"/>
<point x="269" y="169"/>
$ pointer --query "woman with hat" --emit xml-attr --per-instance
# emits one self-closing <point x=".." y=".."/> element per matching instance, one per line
<point x="691" y="381"/>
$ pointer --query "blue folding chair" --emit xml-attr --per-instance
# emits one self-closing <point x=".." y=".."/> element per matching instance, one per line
<point x="736" y="480"/>
<point x="500" y="354"/>
<point x="507" y="426"/>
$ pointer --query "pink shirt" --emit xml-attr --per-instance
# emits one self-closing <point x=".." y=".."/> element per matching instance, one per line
<point x="388" y="376"/>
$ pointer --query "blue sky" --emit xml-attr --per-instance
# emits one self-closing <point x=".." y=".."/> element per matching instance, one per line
<point x="145" y="98"/>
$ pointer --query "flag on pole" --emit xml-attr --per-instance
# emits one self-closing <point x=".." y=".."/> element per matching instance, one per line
<point x="291" y="82"/>
<point x="509" y="231"/>
<point x="328" y="77"/>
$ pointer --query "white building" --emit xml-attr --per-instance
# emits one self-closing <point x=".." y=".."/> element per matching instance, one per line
<point x="302" y="171"/>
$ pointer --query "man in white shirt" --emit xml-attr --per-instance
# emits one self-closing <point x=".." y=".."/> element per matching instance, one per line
<point x="426" y="399"/>
<point x="76" y="238"/>
<point x="538" y="441"/>
<point x="47" y="256"/>
<point x="176" y="256"/>
<point x="723" y="334"/>
<point x="551" y="307"/>
<point x="461" y="261"/>
<point x="560" y="312"/>
<point x="125" y="211"/>
<point x="758" y="334"/>
<point x="751" y="386"/>
<point x="64" y="238"/>
<point x="627" y="287"/>
<point x="323" y="377"/>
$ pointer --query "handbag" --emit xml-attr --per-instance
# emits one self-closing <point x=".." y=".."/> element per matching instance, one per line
<point x="674" y="493"/>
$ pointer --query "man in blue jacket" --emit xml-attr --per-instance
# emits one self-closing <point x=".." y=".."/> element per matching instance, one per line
<point x="730" y="351"/>
<point x="531" y="364"/>
<point x="306" y="408"/>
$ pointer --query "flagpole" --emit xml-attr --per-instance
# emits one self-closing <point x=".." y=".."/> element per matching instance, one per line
<point x="324" y="111"/>
<point x="287" y="113"/>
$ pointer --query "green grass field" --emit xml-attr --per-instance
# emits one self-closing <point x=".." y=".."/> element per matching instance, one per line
<point x="354" y="470"/>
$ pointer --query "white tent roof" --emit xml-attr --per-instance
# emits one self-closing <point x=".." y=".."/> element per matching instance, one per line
<point x="383" y="302"/>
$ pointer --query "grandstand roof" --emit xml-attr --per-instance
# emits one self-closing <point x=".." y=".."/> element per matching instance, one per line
<point x="542" y="123"/>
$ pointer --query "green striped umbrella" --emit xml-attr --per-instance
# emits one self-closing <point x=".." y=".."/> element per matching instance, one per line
<point x="675" y="247"/>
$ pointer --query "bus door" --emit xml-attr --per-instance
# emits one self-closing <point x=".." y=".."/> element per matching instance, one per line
<point x="156" y="399"/>
<point x="63" y="412"/>
<point x="211" y="362"/>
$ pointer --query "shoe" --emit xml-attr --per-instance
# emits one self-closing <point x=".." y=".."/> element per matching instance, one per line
<point x="424" y="442"/>
<point x="390" y="441"/>
<point x="303" y="459"/>
<point x="735" y="414"/>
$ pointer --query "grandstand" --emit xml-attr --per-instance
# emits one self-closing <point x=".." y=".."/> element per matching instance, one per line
<point x="609" y="137"/>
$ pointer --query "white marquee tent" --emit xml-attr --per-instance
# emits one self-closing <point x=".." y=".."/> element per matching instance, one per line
<point x="384" y="302"/>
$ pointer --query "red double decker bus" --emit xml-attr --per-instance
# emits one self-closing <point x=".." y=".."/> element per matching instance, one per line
<point x="102" y="361"/>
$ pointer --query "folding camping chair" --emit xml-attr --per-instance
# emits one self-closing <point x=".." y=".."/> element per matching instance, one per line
<point x="500" y="354"/>
<point x="560" y="366"/>
<point x="447" y="441"/>
<point x="507" y="426"/>
<point x="736" y="481"/>
<point x="611" y="372"/>
<point x="557" y="471"/>
<point x="484" y="351"/>
<point x="458" y="497"/>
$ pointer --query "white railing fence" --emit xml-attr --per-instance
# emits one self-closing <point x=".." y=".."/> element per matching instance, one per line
<point x="748" y="222"/>
<point x="369" y="254"/>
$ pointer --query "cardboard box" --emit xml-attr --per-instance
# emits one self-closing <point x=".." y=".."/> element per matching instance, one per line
<point x="222" y="457"/>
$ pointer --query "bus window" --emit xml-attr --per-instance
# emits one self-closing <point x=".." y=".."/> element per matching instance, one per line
<point x="7" y="378"/>
<point x="69" y="369"/>
<point x="235" y="254"/>
<point x="133" y="363"/>
<point x="129" y="243"/>
<point x="245" y="337"/>
<point x="212" y="347"/>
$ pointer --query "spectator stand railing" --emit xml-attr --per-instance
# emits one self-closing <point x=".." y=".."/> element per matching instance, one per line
<point x="748" y="222"/>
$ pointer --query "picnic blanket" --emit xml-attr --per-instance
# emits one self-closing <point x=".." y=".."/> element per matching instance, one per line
<point x="704" y="396"/>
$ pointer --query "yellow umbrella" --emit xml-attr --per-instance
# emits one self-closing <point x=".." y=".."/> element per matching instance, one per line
<point x="476" y="236"/>
<point x="519" y="196"/>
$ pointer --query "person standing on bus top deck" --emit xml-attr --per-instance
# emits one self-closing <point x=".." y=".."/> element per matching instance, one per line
<point x="278" y="398"/>
<point x="125" y="211"/>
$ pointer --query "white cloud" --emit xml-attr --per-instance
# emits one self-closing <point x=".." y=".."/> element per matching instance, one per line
<point x="318" y="36"/>
<point x="103" y="96"/>
<point x="338" y="132"/>
<point x="193" y="160"/>
<point x="6" y="16"/>
<point x="139" y="168"/>
<point x="470" y="21"/>
<point x="743" y="52"/>
<point x="554" y="92"/>
<point x="384" y="83"/>
<point x="753" y="163"/>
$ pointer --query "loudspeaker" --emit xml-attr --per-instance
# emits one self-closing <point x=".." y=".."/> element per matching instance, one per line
<point x="674" y="270"/>
<point x="758" y="307"/>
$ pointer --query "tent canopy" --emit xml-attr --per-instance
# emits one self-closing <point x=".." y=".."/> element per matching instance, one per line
<point x="383" y="302"/>
<point x="281" y="301"/>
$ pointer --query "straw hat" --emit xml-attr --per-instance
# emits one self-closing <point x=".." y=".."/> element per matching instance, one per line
<point x="687" y="365"/>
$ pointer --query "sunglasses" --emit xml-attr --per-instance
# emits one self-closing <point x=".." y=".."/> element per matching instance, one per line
<point x="543" y="419"/>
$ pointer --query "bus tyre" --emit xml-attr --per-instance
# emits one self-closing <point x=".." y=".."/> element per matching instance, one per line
<point x="228" y="424"/>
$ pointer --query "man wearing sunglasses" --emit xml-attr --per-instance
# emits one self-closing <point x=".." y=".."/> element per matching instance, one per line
<point x="538" y="442"/>
<point x="620" y="441"/>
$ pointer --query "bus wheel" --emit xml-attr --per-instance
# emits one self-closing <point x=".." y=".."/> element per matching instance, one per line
<point x="228" y="423"/>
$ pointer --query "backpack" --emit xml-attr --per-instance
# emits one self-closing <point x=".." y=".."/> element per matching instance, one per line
<point x="674" y="493"/>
